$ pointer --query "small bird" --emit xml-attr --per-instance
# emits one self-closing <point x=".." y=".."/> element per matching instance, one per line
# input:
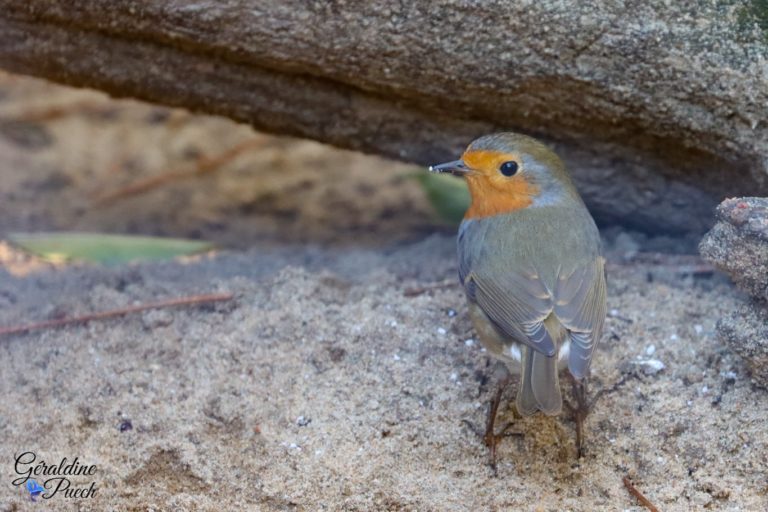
<point x="531" y="266"/>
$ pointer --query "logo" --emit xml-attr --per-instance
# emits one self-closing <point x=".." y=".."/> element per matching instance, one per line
<point x="68" y="479"/>
<point x="34" y="489"/>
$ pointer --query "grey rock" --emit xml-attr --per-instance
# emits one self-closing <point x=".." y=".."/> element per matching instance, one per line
<point x="738" y="243"/>
<point x="746" y="333"/>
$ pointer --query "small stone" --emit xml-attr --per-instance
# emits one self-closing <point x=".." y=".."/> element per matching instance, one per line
<point x="302" y="421"/>
<point x="651" y="366"/>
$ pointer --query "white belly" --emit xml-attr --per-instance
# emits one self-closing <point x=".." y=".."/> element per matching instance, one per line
<point x="512" y="356"/>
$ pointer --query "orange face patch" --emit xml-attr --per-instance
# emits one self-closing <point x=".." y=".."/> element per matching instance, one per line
<point x="492" y="192"/>
<point x="487" y="161"/>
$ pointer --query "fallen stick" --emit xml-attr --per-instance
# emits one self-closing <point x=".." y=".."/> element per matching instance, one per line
<point x="204" y="165"/>
<point x="63" y="322"/>
<point x="638" y="495"/>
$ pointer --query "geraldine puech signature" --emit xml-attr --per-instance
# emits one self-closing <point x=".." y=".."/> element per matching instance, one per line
<point x="56" y="478"/>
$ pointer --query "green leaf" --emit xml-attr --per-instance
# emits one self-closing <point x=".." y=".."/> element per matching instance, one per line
<point x="106" y="249"/>
<point x="447" y="194"/>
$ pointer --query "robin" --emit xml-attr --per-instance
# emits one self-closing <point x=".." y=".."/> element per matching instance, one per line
<point x="531" y="266"/>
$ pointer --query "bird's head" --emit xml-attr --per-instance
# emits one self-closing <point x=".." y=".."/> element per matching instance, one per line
<point x="509" y="171"/>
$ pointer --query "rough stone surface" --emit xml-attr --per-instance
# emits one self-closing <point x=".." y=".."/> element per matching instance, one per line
<point x="738" y="243"/>
<point x="746" y="332"/>
<point x="658" y="107"/>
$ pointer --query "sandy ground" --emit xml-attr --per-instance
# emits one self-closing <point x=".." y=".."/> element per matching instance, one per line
<point x="324" y="385"/>
<point x="216" y="395"/>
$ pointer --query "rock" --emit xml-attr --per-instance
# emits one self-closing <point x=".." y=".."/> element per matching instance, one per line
<point x="657" y="107"/>
<point x="746" y="333"/>
<point x="738" y="243"/>
<point x="651" y="366"/>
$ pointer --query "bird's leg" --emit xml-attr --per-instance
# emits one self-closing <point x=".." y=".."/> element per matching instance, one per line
<point x="580" y="410"/>
<point x="491" y="438"/>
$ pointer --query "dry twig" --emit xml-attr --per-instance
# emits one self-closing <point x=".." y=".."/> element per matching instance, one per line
<point x="62" y="322"/>
<point x="638" y="495"/>
<point x="202" y="166"/>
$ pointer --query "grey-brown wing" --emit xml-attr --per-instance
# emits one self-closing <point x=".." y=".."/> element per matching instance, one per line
<point x="580" y="305"/>
<point x="517" y="303"/>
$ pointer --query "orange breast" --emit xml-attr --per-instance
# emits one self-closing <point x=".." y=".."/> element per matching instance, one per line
<point x="491" y="197"/>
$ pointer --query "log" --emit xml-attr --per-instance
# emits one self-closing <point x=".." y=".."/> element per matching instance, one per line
<point x="659" y="108"/>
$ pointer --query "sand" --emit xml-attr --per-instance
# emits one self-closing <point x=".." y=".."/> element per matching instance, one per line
<point x="323" y="387"/>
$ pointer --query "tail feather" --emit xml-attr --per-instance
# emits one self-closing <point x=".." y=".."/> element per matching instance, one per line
<point x="526" y="401"/>
<point x="539" y="382"/>
<point x="546" y="384"/>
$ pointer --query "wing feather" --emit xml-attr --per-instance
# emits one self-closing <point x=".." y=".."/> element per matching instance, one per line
<point x="517" y="304"/>
<point x="580" y="306"/>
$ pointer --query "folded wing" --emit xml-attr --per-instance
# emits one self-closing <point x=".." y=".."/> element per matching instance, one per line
<point x="519" y="302"/>
<point x="580" y="306"/>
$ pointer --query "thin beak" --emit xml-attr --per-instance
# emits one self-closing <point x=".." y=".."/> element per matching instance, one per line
<point x="457" y="168"/>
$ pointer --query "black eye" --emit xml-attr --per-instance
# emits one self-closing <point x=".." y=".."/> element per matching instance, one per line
<point x="508" y="168"/>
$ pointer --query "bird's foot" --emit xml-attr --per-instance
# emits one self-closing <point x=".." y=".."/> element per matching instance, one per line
<point x="490" y="437"/>
<point x="581" y="410"/>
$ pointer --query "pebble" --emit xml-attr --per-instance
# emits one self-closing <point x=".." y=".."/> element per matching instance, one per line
<point x="651" y="366"/>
